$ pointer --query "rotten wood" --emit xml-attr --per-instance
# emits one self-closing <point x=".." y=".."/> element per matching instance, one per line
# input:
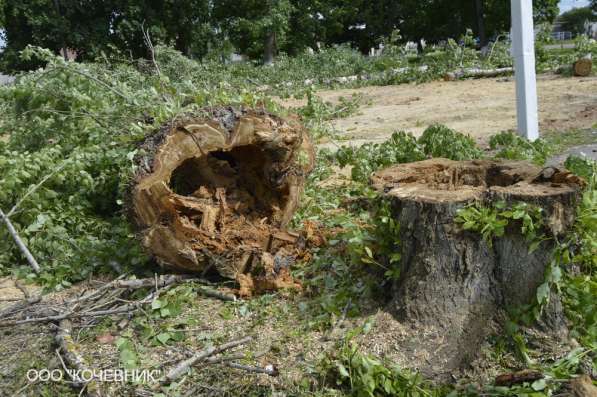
<point x="518" y="377"/>
<point x="215" y="191"/>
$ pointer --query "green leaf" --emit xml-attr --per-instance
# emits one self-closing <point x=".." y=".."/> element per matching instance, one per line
<point x="342" y="370"/>
<point x="163" y="337"/>
<point x="539" y="385"/>
<point x="156" y="304"/>
<point x="543" y="293"/>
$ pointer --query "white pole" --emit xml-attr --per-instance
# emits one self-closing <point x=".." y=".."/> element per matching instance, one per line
<point x="523" y="50"/>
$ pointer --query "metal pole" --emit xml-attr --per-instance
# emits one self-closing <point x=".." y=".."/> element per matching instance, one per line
<point x="523" y="51"/>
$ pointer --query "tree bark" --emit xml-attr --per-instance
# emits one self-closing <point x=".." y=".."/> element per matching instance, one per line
<point x="480" y="13"/>
<point x="477" y="73"/>
<point x="216" y="190"/>
<point x="269" y="48"/>
<point x="453" y="281"/>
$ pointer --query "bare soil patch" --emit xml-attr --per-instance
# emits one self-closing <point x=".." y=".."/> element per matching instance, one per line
<point x="480" y="107"/>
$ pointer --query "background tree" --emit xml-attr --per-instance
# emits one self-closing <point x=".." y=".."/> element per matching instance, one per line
<point x="255" y="27"/>
<point x="53" y="24"/>
<point x="574" y="20"/>
<point x="90" y="27"/>
<point x="185" y="25"/>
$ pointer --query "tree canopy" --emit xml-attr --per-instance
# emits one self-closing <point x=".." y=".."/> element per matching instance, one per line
<point x="574" y="20"/>
<point x="255" y="28"/>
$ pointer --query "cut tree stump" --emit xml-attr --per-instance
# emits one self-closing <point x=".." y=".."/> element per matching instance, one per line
<point x="453" y="281"/>
<point x="583" y="67"/>
<point x="216" y="190"/>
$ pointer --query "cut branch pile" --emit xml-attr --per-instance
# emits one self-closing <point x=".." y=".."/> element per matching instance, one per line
<point x="104" y="301"/>
<point x="108" y="299"/>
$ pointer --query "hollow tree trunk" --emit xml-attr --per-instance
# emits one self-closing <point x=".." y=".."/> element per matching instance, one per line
<point x="216" y="190"/>
<point x="452" y="281"/>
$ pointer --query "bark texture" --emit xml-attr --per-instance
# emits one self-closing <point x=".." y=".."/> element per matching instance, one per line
<point x="216" y="190"/>
<point x="453" y="280"/>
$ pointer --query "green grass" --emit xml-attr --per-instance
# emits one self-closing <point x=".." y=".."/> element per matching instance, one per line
<point x="563" y="140"/>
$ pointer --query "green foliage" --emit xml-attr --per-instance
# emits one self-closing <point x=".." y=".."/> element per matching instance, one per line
<point x="128" y="353"/>
<point x="400" y="148"/>
<point x="97" y="28"/>
<point x="483" y="220"/>
<point x="574" y="19"/>
<point x="440" y="141"/>
<point x="580" y="166"/>
<point x="513" y="147"/>
<point x="250" y="24"/>
<point x="364" y="375"/>
<point x="316" y="111"/>
<point x="492" y="221"/>
<point x="584" y="46"/>
<point x="81" y="124"/>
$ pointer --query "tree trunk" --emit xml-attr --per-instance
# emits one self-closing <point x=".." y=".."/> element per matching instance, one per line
<point x="477" y="73"/>
<point x="216" y="190"/>
<point x="269" y="48"/>
<point x="453" y="280"/>
<point x="480" y="13"/>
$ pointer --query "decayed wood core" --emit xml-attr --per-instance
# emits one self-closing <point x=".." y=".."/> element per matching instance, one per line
<point x="216" y="191"/>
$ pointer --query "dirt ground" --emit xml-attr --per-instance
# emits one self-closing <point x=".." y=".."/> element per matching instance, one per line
<point x="477" y="107"/>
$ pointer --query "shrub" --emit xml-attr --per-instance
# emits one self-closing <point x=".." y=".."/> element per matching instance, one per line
<point x="440" y="141"/>
<point x="513" y="147"/>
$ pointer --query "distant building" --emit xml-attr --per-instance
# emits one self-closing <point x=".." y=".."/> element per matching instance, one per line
<point x="591" y="29"/>
<point x="558" y="32"/>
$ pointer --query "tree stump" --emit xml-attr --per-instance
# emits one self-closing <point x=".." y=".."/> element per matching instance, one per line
<point x="453" y="280"/>
<point x="216" y="190"/>
<point x="583" y="67"/>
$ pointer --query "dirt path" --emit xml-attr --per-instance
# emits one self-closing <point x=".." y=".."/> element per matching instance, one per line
<point x="477" y="107"/>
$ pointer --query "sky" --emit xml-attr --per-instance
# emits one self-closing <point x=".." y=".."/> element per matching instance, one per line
<point x="566" y="5"/>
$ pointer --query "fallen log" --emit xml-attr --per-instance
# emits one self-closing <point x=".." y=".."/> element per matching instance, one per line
<point x="518" y="377"/>
<point x="454" y="285"/>
<point x="477" y="73"/>
<point x="216" y="191"/>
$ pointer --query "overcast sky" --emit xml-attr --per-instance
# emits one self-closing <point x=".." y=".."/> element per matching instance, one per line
<point x="566" y="5"/>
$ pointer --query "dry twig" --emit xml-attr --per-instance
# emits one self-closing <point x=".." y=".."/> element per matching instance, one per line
<point x="184" y="365"/>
